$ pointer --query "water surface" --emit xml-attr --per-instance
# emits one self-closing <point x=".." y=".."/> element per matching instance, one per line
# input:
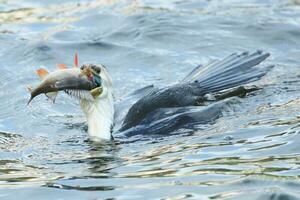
<point x="251" y="152"/>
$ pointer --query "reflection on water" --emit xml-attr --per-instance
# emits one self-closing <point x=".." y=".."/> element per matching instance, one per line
<point x="249" y="150"/>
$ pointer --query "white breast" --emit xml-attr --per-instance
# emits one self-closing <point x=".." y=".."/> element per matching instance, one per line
<point x="100" y="112"/>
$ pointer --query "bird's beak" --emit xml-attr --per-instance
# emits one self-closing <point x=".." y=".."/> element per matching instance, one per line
<point x="72" y="81"/>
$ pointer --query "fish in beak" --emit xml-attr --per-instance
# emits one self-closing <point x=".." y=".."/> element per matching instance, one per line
<point x="82" y="83"/>
<point x="91" y="85"/>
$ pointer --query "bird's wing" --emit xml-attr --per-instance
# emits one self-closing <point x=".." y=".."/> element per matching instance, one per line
<point x="235" y="70"/>
<point x="123" y="104"/>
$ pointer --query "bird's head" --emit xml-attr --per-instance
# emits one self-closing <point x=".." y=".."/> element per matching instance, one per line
<point x="91" y="85"/>
<point x="85" y="83"/>
<point x="99" y="111"/>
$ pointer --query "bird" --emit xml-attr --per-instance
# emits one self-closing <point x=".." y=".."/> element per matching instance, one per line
<point x="92" y="85"/>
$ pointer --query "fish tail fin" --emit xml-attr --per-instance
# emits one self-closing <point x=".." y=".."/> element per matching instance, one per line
<point x="28" y="102"/>
<point x="234" y="70"/>
<point x="29" y="88"/>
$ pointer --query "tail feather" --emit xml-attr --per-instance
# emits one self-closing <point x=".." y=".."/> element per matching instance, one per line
<point x="191" y="74"/>
<point x="234" y="70"/>
<point x="208" y="69"/>
<point x="240" y="62"/>
<point x="239" y="75"/>
<point x="243" y="79"/>
<point x="213" y="69"/>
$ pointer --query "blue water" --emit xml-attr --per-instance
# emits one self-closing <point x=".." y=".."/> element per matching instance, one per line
<point x="251" y="152"/>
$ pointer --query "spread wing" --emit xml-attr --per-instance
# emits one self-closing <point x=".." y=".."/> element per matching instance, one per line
<point x="234" y="70"/>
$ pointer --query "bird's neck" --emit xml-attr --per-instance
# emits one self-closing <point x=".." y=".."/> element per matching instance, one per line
<point x="100" y="116"/>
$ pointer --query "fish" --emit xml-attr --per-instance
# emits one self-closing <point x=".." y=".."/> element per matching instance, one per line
<point x="69" y="80"/>
<point x="80" y="83"/>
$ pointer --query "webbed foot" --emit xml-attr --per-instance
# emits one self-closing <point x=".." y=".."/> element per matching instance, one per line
<point x="238" y="92"/>
<point x="241" y="91"/>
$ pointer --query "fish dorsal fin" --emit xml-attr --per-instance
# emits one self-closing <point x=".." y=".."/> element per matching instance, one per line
<point x="76" y="60"/>
<point x="42" y="73"/>
<point x="61" y="66"/>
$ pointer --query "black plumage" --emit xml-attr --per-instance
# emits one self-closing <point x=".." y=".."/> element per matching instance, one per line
<point x="233" y="71"/>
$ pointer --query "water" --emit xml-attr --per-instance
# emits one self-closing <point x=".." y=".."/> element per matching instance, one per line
<point x="251" y="152"/>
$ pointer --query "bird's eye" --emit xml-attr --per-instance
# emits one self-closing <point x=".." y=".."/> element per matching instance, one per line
<point x="82" y="67"/>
